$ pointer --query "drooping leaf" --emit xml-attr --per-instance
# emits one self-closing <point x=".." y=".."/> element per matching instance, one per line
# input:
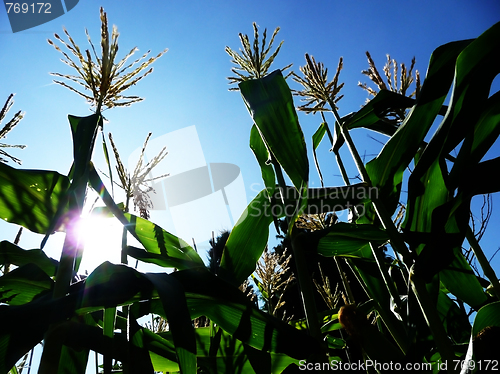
<point x="373" y="115"/>
<point x="488" y="315"/>
<point x="112" y="285"/>
<point x="17" y="337"/>
<point x="162" y="248"/>
<point x="351" y="240"/>
<point x="249" y="236"/>
<point x="31" y="198"/>
<point x="230" y="309"/>
<point x="22" y="285"/>
<point x="12" y="254"/>
<point x="386" y="170"/>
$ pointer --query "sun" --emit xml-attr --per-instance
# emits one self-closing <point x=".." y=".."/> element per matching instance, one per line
<point x="101" y="236"/>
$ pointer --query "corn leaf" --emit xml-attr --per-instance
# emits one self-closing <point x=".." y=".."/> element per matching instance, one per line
<point x="269" y="101"/>
<point x="351" y="240"/>
<point x="12" y="254"/>
<point x="31" y="198"/>
<point x="263" y="158"/>
<point x="230" y="309"/>
<point x="162" y="248"/>
<point x="386" y="170"/>
<point x="22" y="285"/>
<point x="173" y="299"/>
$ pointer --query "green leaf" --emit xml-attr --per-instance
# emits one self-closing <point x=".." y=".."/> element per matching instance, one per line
<point x="316" y="138"/>
<point x="488" y="315"/>
<point x="262" y="155"/>
<point x="369" y="277"/>
<point x="31" y="198"/>
<point x="230" y="309"/>
<point x="351" y="240"/>
<point x="249" y="236"/>
<point x="224" y="354"/>
<point x="269" y="101"/>
<point x="161" y="350"/>
<point x="460" y="280"/>
<point x="386" y="170"/>
<point x="106" y="157"/>
<point x="111" y="285"/>
<point x="247" y="241"/>
<point x="73" y="361"/>
<point x="373" y="115"/>
<point x="22" y="285"/>
<point x="162" y="248"/>
<point x="17" y="336"/>
<point x="486" y="131"/>
<point x="437" y="216"/>
<point x="173" y="299"/>
<point x="12" y="254"/>
<point x="84" y="131"/>
<point x="454" y="319"/>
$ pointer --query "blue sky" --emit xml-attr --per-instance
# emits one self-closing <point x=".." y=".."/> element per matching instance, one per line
<point x="189" y="86"/>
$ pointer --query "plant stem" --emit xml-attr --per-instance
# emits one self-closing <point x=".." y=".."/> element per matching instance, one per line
<point x="428" y="309"/>
<point x="396" y="242"/>
<point x="431" y="316"/>
<point x="345" y="282"/>
<point x="385" y="275"/>
<point x="72" y="246"/>
<point x="125" y="308"/>
<point x="303" y="276"/>
<point x="299" y="241"/>
<point x="483" y="261"/>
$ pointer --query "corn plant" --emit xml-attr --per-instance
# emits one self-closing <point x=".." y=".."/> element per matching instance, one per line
<point x="427" y="249"/>
<point x="412" y="312"/>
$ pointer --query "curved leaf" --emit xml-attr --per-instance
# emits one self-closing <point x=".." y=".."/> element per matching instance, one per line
<point x="229" y="308"/>
<point x="351" y="240"/>
<point x="249" y="236"/>
<point x="163" y="248"/>
<point x="22" y="285"/>
<point x="386" y="170"/>
<point x="31" y="198"/>
<point x="12" y="254"/>
<point x="167" y="249"/>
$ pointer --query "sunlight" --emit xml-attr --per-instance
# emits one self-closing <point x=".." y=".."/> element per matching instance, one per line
<point x="102" y="240"/>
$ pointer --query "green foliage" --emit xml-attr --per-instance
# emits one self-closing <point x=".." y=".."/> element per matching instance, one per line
<point x="415" y="311"/>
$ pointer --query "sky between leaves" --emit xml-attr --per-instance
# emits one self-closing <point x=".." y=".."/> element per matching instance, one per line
<point x="189" y="86"/>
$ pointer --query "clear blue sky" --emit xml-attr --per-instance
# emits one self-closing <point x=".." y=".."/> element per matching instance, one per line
<point x="189" y="86"/>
